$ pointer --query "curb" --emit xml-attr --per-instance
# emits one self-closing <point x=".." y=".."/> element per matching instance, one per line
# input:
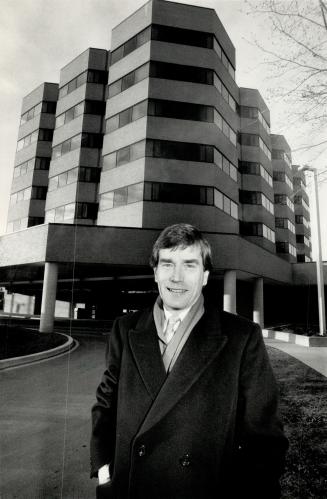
<point x="297" y="339"/>
<point x="34" y="357"/>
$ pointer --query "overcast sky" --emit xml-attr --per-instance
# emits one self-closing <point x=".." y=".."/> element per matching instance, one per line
<point x="38" y="37"/>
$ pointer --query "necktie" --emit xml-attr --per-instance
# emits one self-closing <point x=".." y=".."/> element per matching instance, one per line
<point x="171" y="328"/>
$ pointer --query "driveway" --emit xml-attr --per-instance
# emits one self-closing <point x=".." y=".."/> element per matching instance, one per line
<point x="45" y="425"/>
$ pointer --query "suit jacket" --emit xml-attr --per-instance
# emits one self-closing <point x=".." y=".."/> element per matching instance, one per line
<point x="209" y="429"/>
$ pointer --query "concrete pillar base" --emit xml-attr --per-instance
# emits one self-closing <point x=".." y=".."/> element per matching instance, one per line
<point x="48" y="297"/>
<point x="258" y="310"/>
<point x="230" y="291"/>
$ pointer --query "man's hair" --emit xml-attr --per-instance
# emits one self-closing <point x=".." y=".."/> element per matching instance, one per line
<point x="181" y="236"/>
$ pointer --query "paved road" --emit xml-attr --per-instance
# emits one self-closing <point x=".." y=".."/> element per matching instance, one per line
<point x="45" y="425"/>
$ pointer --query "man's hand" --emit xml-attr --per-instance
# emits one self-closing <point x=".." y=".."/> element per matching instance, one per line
<point x="104" y="474"/>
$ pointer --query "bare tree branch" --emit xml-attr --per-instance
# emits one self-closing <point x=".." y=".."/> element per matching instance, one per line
<point x="296" y="57"/>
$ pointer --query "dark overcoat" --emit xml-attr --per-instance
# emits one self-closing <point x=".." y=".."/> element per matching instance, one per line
<point x="209" y="429"/>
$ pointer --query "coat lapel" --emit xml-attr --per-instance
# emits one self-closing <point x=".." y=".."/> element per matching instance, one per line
<point x="202" y="347"/>
<point x="144" y="345"/>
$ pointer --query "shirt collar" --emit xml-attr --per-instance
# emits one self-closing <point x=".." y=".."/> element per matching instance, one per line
<point x="181" y="314"/>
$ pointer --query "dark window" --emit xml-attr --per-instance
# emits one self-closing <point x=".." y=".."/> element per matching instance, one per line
<point x="280" y="199"/>
<point x="128" y="81"/>
<point x="130" y="45"/>
<point x="281" y="223"/>
<point x="282" y="247"/>
<point x="178" y="193"/>
<point x="42" y="163"/>
<point x="139" y="110"/>
<point x="87" y="210"/>
<point x="251" y="229"/>
<point x="35" y="221"/>
<point x="299" y="219"/>
<point x="180" y="150"/>
<point x="180" y="72"/>
<point x="88" y="174"/>
<point x="39" y="192"/>
<point x="49" y="107"/>
<point x="300" y="258"/>
<point x="182" y="36"/>
<point x="81" y="79"/>
<point x="92" y="140"/>
<point x="117" y="54"/>
<point x="45" y="134"/>
<point x="300" y="239"/>
<point x="250" y="197"/>
<point x="95" y="107"/>
<point x="125" y="117"/>
<point x="297" y="199"/>
<point x="249" y="167"/>
<point x="279" y="176"/>
<point x="115" y="88"/>
<point x="72" y="85"/>
<point x="248" y="139"/>
<point x="97" y="76"/>
<point x="181" y="110"/>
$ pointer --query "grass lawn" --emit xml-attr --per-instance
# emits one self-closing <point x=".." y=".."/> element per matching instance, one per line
<point x="15" y="341"/>
<point x="303" y="393"/>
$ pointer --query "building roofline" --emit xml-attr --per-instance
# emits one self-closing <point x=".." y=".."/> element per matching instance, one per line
<point x="163" y="1"/>
<point x="81" y="53"/>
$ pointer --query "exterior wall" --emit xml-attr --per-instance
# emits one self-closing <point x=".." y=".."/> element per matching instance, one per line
<point x="29" y="185"/>
<point x="77" y="139"/>
<point x="169" y="129"/>
<point x="257" y="222"/>
<point x="302" y="217"/>
<point x="281" y="162"/>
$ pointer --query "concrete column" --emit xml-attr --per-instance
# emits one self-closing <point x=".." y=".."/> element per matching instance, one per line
<point x="71" y="309"/>
<point x="30" y="306"/>
<point x="258" y="302"/>
<point x="12" y="301"/>
<point x="48" y="297"/>
<point x="230" y="291"/>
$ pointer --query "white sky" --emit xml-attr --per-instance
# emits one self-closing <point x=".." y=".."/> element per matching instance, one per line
<point x="38" y="37"/>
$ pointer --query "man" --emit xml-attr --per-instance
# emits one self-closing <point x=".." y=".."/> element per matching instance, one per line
<point x="187" y="407"/>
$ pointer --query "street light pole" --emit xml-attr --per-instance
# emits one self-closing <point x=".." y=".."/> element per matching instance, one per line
<point x="319" y="264"/>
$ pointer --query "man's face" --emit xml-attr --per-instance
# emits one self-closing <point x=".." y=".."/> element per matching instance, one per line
<point x="180" y="276"/>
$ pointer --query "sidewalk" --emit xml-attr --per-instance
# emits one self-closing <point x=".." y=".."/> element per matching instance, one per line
<point x="315" y="357"/>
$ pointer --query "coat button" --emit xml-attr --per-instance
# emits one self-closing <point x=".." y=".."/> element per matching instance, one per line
<point x="141" y="450"/>
<point x="185" y="460"/>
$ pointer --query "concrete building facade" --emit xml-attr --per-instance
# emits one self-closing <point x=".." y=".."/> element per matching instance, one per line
<point x="32" y="161"/>
<point x="153" y="132"/>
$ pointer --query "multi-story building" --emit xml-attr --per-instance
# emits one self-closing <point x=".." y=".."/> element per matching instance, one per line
<point x="256" y="193"/>
<point x="302" y="217"/>
<point x="154" y="132"/>
<point x="34" y="145"/>
<point x="77" y="141"/>
<point x="170" y="149"/>
<point x="284" y="198"/>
